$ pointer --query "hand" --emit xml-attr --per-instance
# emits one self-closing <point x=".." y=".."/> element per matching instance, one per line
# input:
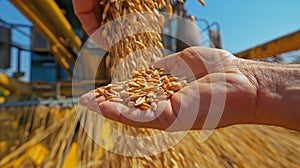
<point x="213" y="71"/>
<point x="87" y="12"/>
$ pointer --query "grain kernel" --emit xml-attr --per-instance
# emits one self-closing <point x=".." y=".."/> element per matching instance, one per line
<point x="140" y="101"/>
<point x="175" y="87"/>
<point x="101" y="91"/>
<point x="147" y="89"/>
<point x="131" y="104"/>
<point x="153" y="106"/>
<point x="152" y="80"/>
<point x="134" y="97"/>
<point x="133" y="84"/>
<point x="202" y="2"/>
<point x="170" y="10"/>
<point x="172" y="79"/>
<point x="115" y="99"/>
<point x="125" y="94"/>
<point x="144" y="106"/>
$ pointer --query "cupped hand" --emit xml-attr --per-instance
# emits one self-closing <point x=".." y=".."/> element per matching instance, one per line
<point x="217" y="84"/>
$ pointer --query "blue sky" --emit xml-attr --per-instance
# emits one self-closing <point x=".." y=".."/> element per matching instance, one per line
<point x="244" y="24"/>
<point x="250" y="22"/>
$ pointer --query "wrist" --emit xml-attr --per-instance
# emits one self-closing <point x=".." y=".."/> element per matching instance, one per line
<point x="278" y="92"/>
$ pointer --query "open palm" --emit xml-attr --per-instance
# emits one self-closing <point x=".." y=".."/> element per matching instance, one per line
<point x="217" y="85"/>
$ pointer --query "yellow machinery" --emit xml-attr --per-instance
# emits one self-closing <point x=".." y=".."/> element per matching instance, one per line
<point x="275" y="47"/>
<point x="50" y="21"/>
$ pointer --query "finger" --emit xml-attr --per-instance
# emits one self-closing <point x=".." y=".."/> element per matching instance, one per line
<point x="186" y="106"/>
<point x="176" y="65"/>
<point x="117" y="112"/>
<point x="133" y="116"/>
<point x="84" y="6"/>
<point x="89" y="22"/>
<point x="111" y="110"/>
<point x="86" y="98"/>
<point x="193" y="62"/>
<point x="136" y="117"/>
<point x="203" y="59"/>
<point x="100" y="99"/>
<point x="93" y="105"/>
<point x="168" y="62"/>
<point x="173" y="64"/>
<point x="85" y="11"/>
<point x="91" y="101"/>
<point x="165" y="114"/>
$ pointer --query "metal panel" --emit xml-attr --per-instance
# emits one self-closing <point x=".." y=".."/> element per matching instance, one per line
<point x="64" y="55"/>
<point x="187" y="35"/>
<point x="5" y="39"/>
<point x="215" y="38"/>
<point x="39" y="42"/>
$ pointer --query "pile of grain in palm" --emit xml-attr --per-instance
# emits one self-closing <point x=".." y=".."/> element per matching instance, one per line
<point x="144" y="90"/>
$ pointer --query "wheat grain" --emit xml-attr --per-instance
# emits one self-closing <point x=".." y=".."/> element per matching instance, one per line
<point x="142" y="89"/>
